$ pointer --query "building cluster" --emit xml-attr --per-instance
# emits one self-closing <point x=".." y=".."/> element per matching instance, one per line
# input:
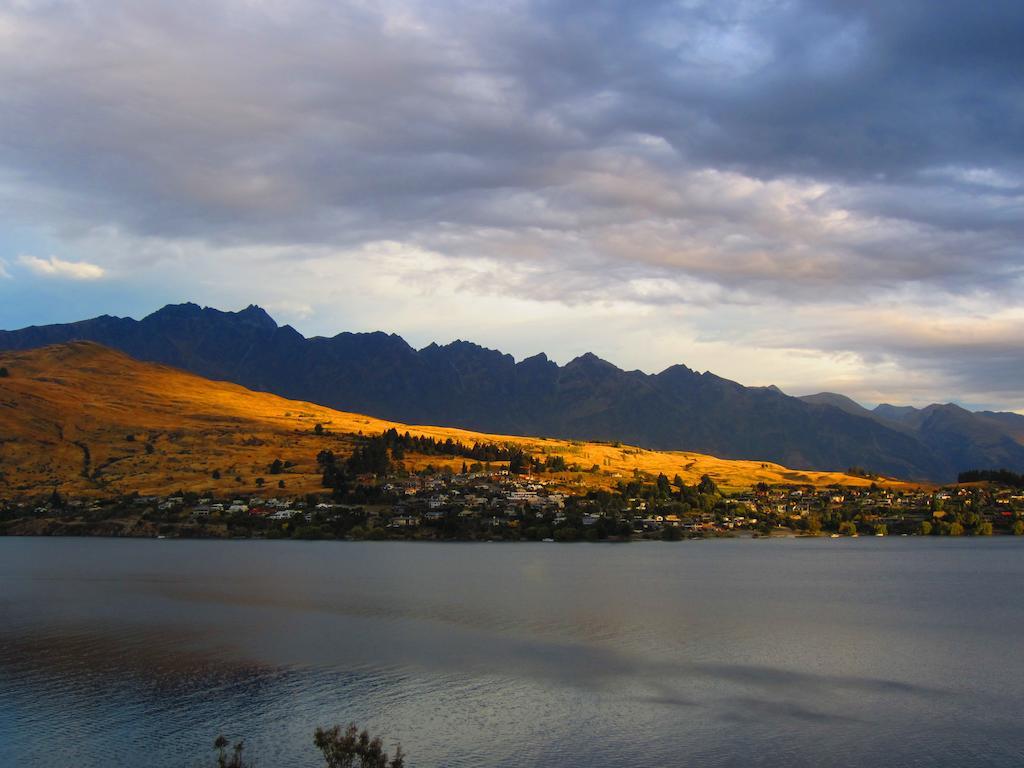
<point x="878" y="506"/>
<point x="535" y="506"/>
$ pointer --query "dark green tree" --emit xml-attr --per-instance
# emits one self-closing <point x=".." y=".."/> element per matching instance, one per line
<point x="354" y="749"/>
<point x="663" y="486"/>
<point x="671" y="533"/>
<point x="231" y="759"/>
<point x="519" y="462"/>
<point x="982" y="528"/>
<point x="707" y="486"/>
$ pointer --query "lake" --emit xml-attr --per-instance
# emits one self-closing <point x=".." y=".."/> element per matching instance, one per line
<point x="793" y="652"/>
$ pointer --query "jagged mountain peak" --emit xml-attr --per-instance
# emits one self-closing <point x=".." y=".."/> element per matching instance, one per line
<point x="253" y="315"/>
<point x="257" y="316"/>
<point x="184" y="309"/>
<point x="591" y="361"/>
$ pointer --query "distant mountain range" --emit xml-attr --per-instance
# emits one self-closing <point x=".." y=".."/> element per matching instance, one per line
<point x="464" y="385"/>
<point x="92" y="421"/>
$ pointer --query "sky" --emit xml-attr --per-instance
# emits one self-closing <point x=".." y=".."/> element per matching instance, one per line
<point x="819" y="195"/>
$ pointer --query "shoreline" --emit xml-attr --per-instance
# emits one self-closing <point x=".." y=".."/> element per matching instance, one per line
<point x="511" y="542"/>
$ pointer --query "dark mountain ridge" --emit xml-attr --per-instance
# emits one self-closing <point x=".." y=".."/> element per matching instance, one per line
<point x="465" y="385"/>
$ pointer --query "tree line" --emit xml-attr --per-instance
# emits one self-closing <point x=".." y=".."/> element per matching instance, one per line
<point x="378" y="454"/>
<point x="1004" y="476"/>
<point x="399" y="444"/>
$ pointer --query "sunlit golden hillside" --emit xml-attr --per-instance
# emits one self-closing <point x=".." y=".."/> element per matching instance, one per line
<point x="91" y="421"/>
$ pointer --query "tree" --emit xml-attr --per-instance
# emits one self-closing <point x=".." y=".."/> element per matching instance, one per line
<point x="881" y="529"/>
<point x="276" y="467"/>
<point x="318" y="429"/>
<point x="663" y="486"/>
<point x="925" y="528"/>
<point x="353" y="749"/>
<point x="519" y="463"/>
<point x="567" y="534"/>
<point x="232" y="760"/>
<point x="956" y="529"/>
<point x="707" y="486"/>
<point x="1018" y="528"/>
<point x="555" y="464"/>
<point x="370" y="458"/>
<point x="4" y="373"/>
<point x="671" y="533"/>
<point x="215" y="474"/>
<point x="848" y="527"/>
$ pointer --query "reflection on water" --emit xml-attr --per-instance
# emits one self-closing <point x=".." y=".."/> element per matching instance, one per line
<point x="733" y="653"/>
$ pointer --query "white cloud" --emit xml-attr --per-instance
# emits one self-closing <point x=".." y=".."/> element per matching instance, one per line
<point x="54" y="267"/>
<point x="3" y="270"/>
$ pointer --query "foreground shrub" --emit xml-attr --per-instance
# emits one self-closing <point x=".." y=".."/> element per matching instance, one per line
<point x="350" y="748"/>
<point x="229" y="760"/>
<point x="353" y="749"/>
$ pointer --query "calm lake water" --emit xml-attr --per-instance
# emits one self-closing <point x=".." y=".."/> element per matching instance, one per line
<point x="869" y="652"/>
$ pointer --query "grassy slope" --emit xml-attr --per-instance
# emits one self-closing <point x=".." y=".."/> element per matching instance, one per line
<point x="66" y="412"/>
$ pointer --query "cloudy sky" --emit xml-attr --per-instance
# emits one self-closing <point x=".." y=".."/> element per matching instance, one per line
<point x="819" y="195"/>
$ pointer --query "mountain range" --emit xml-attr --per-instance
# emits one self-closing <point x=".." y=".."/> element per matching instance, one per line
<point x="465" y="385"/>
<point x="90" y="420"/>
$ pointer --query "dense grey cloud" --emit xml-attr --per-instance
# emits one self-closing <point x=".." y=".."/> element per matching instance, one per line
<point x="753" y="168"/>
